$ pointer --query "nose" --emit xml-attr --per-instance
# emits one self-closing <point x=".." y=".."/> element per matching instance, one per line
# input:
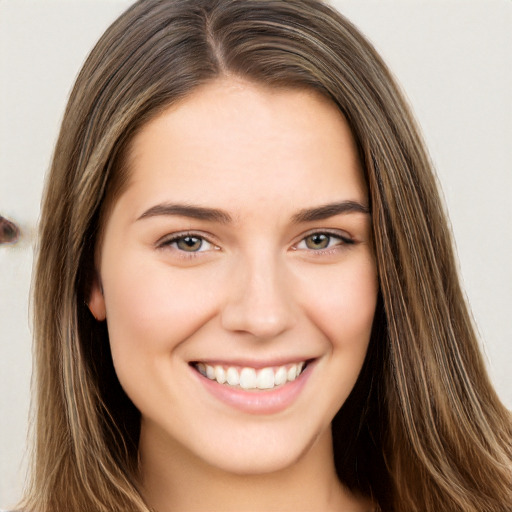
<point x="259" y="301"/>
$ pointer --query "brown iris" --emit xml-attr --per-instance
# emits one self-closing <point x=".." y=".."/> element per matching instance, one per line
<point x="189" y="243"/>
<point x="317" y="241"/>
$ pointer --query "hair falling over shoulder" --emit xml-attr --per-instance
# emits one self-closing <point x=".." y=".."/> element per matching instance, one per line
<point x="423" y="430"/>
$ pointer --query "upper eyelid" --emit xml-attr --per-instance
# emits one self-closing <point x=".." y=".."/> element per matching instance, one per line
<point x="340" y="233"/>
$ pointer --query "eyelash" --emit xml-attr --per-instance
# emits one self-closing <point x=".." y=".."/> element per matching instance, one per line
<point x="177" y="237"/>
<point x="344" y="240"/>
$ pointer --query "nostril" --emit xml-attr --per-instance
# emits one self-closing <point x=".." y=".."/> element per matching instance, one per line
<point x="9" y="232"/>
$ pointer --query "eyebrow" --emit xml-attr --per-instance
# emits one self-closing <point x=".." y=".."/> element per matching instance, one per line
<point x="216" y="215"/>
<point x="188" y="210"/>
<point x="329" y="210"/>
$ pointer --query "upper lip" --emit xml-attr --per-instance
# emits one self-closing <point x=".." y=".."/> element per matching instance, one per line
<point x="251" y="363"/>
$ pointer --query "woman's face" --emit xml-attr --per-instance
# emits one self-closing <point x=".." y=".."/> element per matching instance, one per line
<point x="239" y="256"/>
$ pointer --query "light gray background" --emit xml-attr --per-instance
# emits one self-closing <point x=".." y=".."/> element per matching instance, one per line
<point x="453" y="59"/>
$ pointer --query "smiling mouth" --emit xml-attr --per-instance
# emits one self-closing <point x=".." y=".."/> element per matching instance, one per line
<point x="248" y="378"/>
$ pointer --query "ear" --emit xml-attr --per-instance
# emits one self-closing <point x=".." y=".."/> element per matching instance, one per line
<point x="96" y="302"/>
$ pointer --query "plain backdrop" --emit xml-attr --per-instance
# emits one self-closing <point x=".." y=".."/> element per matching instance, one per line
<point x="453" y="59"/>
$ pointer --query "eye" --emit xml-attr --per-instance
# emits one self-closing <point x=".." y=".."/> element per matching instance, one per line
<point x="188" y="243"/>
<point x="322" y="240"/>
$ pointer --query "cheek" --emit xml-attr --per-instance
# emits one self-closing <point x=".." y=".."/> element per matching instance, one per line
<point x="151" y="310"/>
<point x="346" y="319"/>
<point x="344" y="307"/>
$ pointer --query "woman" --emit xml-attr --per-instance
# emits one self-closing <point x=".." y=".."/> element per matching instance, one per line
<point x="254" y="301"/>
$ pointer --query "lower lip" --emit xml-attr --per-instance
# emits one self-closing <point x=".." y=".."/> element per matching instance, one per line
<point x="269" y="401"/>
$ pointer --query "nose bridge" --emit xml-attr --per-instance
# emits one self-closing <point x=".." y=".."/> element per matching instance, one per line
<point x="258" y="299"/>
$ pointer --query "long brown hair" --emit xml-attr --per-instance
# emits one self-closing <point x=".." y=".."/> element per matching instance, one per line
<point x="423" y="429"/>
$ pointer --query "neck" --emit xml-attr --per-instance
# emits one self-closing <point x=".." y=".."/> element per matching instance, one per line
<point x="174" y="479"/>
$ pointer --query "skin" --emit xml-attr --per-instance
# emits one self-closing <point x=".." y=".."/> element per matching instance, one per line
<point x="257" y="288"/>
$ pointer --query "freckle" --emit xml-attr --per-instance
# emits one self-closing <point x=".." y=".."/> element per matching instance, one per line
<point x="9" y="232"/>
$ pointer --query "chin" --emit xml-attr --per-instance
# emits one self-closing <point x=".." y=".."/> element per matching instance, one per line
<point x="264" y="454"/>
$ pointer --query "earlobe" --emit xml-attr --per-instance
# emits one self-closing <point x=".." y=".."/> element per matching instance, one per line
<point x="96" y="302"/>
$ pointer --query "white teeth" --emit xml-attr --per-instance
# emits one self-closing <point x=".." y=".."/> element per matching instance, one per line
<point x="232" y="376"/>
<point x="280" y="376"/>
<point x="251" y="378"/>
<point x="266" y="379"/>
<point x="248" y="378"/>
<point x="210" y="372"/>
<point x="292" y="373"/>
<point x="220" y="374"/>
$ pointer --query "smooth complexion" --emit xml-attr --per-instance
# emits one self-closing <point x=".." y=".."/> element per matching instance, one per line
<point x="243" y="239"/>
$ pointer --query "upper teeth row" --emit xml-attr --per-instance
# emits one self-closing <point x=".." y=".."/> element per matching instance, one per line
<point x="250" y="378"/>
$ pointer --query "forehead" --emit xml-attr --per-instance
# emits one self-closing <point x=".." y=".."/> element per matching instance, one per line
<point x="231" y="140"/>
